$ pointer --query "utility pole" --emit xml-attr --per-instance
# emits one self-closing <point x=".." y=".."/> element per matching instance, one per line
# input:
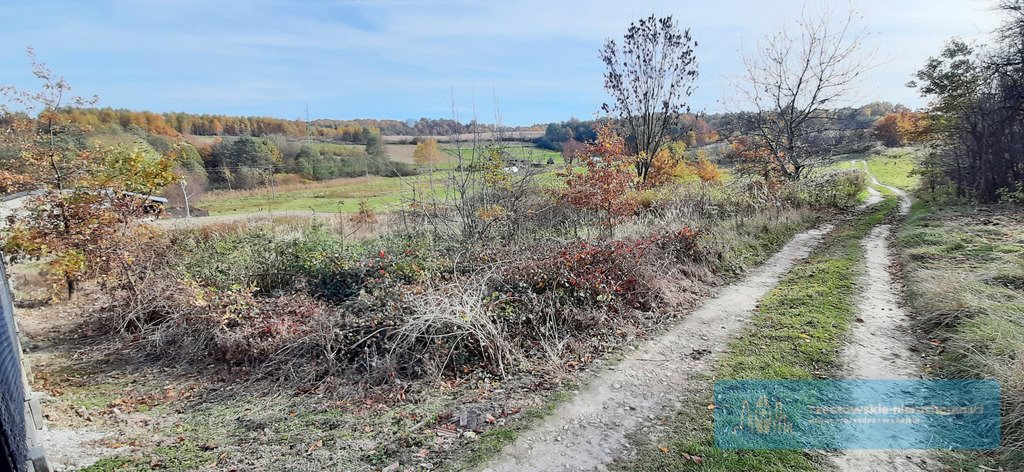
<point x="307" y="122"/>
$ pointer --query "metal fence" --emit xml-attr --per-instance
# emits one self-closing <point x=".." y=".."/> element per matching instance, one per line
<point x="12" y="390"/>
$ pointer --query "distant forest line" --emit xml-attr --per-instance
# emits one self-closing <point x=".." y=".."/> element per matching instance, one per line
<point x="175" y="124"/>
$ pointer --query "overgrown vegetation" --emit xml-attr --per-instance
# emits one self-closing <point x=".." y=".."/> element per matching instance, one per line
<point x="301" y="304"/>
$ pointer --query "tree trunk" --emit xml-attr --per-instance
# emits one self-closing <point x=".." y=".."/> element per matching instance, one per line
<point x="72" y="287"/>
<point x="184" y="194"/>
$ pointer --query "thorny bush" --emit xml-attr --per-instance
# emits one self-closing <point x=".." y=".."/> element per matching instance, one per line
<point x="613" y="273"/>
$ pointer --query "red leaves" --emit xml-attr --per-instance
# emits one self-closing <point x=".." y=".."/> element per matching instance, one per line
<point x="605" y="186"/>
<point x="610" y="273"/>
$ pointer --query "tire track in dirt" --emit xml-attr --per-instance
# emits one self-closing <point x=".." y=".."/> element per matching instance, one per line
<point x="879" y="346"/>
<point x="590" y="430"/>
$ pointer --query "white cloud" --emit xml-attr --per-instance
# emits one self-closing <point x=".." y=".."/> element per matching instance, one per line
<point x="405" y="56"/>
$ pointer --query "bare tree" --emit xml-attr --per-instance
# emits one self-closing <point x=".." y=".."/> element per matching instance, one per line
<point x="190" y="186"/>
<point x="649" y="79"/>
<point x="794" y="79"/>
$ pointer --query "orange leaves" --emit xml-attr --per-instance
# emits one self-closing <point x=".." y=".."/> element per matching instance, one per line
<point x="667" y="168"/>
<point x="756" y="159"/>
<point x="491" y="212"/>
<point x="707" y="171"/>
<point x="11" y="182"/>
<point x="427" y="152"/>
<point x="609" y="145"/>
<point x="606" y="185"/>
<point x="901" y="128"/>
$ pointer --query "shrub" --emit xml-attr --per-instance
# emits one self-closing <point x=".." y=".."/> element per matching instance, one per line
<point x="400" y="261"/>
<point x="837" y="189"/>
<point x="257" y="256"/>
<point x="611" y="274"/>
<point x="707" y="171"/>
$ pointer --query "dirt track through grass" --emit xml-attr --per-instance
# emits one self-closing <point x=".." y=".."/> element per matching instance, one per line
<point x="590" y="430"/>
<point x="880" y="343"/>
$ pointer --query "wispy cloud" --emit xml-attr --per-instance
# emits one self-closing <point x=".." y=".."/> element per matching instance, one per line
<point x="401" y="59"/>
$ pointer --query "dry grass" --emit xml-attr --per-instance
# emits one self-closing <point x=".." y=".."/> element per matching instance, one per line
<point x="401" y="152"/>
<point x="965" y="273"/>
<point x="459" y="315"/>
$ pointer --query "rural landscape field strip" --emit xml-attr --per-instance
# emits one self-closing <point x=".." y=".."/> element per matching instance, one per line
<point x="591" y="429"/>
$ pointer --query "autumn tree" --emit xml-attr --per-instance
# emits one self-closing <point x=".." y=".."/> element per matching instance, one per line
<point x="976" y="112"/>
<point x="754" y="159"/>
<point x="673" y="165"/>
<point x="899" y="128"/>
<point x="573" y="151"/>
<point x="650" y="76"/>
<point x="426" y="152"/>
<point x="793" y="80"/>
<point x="87" y="196"/>
<point x="605" y="184"/>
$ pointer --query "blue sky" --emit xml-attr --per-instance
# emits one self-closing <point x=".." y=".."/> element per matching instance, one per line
<point x="406" y="59"/>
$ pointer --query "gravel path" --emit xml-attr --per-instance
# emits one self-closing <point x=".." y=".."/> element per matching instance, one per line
<point x="72" y="449"/>
<point x="590" y="430"/>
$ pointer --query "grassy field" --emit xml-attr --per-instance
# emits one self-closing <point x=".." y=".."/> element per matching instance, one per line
<point x="344" y="195"/>
<point x="520" y="150"/>
<point x="964" y="267"/>
<point x="796" y="333"/>
<point x="332" y="196"/>
<point x="893" y="167"/>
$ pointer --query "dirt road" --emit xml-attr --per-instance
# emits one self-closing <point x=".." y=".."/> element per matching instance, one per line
<point x="880" y="344"/>
<point x="590" y="430"/>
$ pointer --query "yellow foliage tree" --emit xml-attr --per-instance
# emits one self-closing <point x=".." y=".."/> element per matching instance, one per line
<point x="426" y="152"/>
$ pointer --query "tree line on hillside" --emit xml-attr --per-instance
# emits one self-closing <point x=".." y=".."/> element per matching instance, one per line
<point x="235" y="162"/>
<point x="850" y="129"/>
<point x="248" y="162"/>
<point x="174" y="124"/>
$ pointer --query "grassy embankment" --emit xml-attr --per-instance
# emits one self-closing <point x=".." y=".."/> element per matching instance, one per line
<point x="796" y="333"/>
